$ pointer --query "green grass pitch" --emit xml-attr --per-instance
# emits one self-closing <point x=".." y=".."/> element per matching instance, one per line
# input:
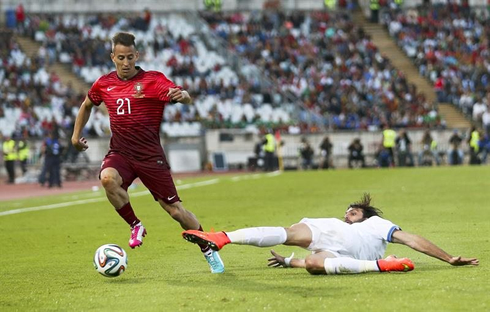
<point x="46" y="256"/>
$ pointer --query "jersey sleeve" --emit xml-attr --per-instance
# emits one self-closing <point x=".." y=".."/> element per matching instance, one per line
<point x="384" y="228"/>
<point x="94" y="93"/>
<point x="162" y="86"/>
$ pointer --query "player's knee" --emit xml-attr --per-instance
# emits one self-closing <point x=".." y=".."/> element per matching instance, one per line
<point x="314" y="264"/>
<point x="108" y="181"/>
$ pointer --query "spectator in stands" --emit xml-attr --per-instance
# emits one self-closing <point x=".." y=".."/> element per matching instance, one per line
<point x="439" y="89"/>
<point x="455" y="154"/>
<point x="374" y="7"/>
<point x="479" y="108"/>
<point x="147" y="17"/>
<point x="20" y="18"/>
<point x="356" y="154"/>
<point x="485" y="119"/>
<point x="306" y="154"/>
<point x="466" y="102"/>
<point x="326" y="154"/>
<point x="404" y="149"/>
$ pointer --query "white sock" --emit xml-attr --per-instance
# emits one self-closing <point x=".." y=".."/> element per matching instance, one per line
<point x="258" y="236"/>
<point x="345" y="265"/>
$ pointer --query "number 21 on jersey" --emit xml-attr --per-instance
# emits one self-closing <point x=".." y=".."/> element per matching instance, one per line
<point x="122" y="103"/>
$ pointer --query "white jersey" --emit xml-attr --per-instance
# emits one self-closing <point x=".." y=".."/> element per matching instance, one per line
<point x="365" y="240"/>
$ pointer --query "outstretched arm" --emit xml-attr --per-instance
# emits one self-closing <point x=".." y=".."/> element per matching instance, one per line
<point x="423" y="245"/>
<point x="279" y="261"/>
<point x="78" y="142"/>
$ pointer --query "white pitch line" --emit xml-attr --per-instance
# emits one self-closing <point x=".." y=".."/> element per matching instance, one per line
<point x="95" y="200"/>
<point x="274" y="173"/>
<point x="256" y="176"/>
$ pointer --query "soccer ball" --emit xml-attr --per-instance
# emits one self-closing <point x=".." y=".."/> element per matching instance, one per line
<point x="110" y="260"/>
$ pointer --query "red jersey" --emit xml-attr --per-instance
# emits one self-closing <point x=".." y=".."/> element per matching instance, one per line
<point x="135" y="109"/>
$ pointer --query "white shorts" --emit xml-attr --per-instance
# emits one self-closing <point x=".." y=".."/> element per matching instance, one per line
<point x="328" y="234"/>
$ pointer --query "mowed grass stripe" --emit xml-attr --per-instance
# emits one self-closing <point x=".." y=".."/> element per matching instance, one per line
<point x="96" y="200"/>
<point x="136" y="194"/>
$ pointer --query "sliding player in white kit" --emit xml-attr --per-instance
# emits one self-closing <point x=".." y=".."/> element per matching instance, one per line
<point x="355" y="245"/>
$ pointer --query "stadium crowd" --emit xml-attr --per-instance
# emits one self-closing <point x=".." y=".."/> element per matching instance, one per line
<point x="32" y="96"/>
<point x="328" y="63"/>
<point x="351" y="84"/>
<point x="449" y="44"/>
<point x="223" y="98"/>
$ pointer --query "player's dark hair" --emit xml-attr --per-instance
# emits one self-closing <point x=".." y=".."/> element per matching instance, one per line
<point x="364" y="204"/>
<point x="123" y="38"/>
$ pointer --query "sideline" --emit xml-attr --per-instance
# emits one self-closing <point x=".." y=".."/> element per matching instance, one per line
<point x="100" y="199"/>
<point x="256" y="176"/>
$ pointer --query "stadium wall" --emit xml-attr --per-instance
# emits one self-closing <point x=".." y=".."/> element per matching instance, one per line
<point x="190" y="154"/>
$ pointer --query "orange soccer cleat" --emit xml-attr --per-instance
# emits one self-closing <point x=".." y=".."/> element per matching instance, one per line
<point x="392" y="264"/>
<point x="215" y="241"/>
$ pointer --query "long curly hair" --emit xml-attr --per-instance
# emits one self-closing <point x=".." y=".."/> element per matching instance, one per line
<point x="368" y="211"/>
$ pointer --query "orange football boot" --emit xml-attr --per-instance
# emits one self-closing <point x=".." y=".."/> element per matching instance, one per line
<point x="392" y="264"/>
<point x="215" y="241"/>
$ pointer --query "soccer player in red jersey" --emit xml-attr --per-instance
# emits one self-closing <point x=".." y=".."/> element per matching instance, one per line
<point x="135" y="100"/>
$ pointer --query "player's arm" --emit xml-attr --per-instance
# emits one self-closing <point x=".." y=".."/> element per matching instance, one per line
<point x="179" y="95"/>
<point x="80" y="143"/>
<point x="279" y="261"/>
<point x="425" y="246"/>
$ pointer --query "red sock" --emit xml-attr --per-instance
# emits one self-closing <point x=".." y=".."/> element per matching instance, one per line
<point x="126" y="212"/>
<point x="204" y="248"/>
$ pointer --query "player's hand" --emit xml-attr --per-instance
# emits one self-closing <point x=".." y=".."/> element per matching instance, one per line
<point x="80" y="145"/>
<point x="277" y="260"/>
<point x="457" y="261"/>
<point x="175" y="94"/>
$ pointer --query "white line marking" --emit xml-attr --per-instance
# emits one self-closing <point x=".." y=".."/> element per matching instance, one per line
<point x="100" y="199"/>
<point x="256" y="176"/>
<point x="52" y="206"/>
<point x="274" y="173"/>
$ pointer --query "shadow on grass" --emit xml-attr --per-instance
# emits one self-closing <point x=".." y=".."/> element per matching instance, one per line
<point x="129" y="280"/>
<point x="297" y="283"/>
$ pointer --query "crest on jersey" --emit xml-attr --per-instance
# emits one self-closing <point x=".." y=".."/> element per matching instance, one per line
<point x="138" y="89"/>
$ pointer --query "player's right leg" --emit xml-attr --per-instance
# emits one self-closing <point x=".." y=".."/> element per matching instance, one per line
<point x="296" y="235"/>
<point x="116" y="175"/>
<point x="327" y="263"/>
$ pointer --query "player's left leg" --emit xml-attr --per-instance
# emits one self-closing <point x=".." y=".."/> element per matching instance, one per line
<point x="188" y="221"/>
<point x="326" y="263"/>
<point x="176" y="210"/>
<point x="264" y="236"/>
<point x="157" y="178"/>
<point x="116" y="192"/>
